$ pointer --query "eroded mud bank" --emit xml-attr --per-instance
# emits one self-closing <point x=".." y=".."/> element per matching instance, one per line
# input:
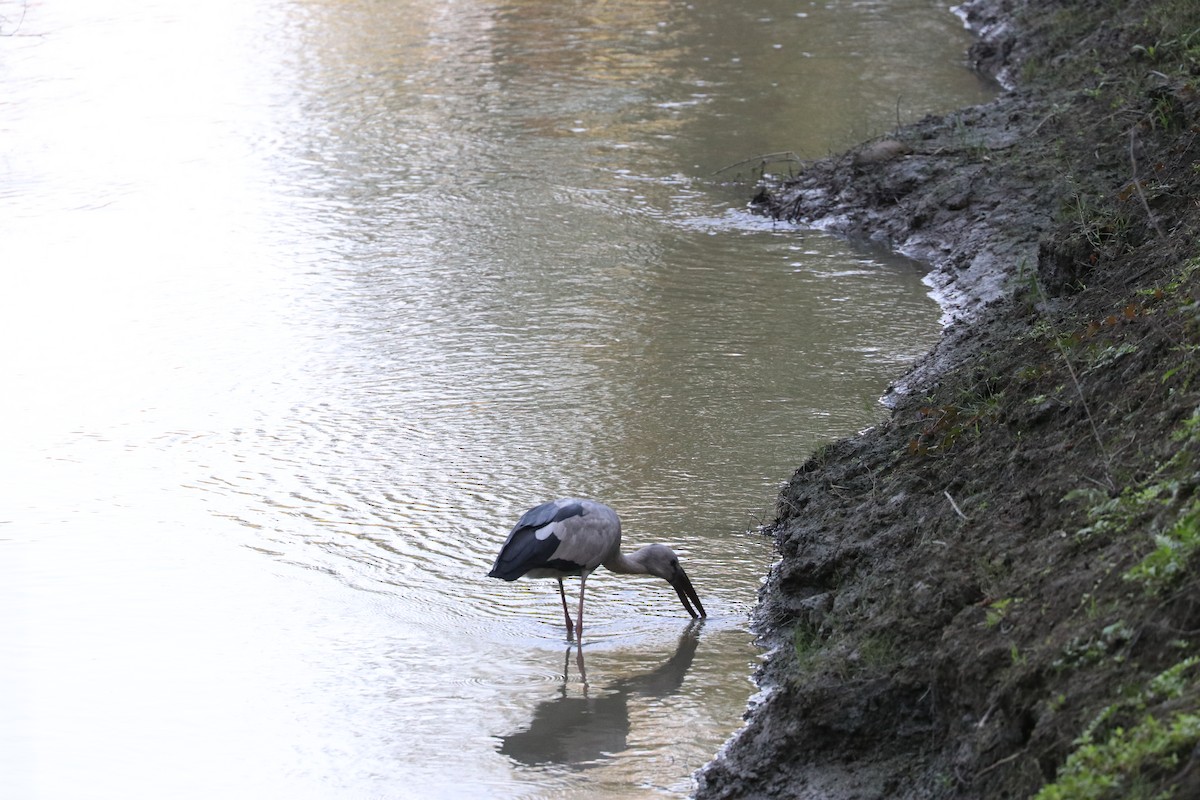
<point x="993" y="593"/>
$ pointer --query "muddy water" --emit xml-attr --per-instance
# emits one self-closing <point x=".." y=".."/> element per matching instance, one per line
<point x="305" y="301"/>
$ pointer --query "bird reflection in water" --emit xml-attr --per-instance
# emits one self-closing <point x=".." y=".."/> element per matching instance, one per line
<point x="578" y="732"/>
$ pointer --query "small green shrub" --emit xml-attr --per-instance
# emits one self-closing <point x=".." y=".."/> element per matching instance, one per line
<point x="1135" y="761"/>
<point x="1109" y="769"/>
<point x="1168" y="562"/>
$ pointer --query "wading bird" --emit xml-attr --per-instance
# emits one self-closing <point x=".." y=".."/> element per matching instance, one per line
<point x="570" y="536"/>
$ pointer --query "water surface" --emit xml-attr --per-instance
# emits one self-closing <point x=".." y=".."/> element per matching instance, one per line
<point x="306" y="301"/>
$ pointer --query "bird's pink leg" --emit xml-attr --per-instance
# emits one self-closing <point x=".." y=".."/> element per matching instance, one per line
<point x="563" y="594"/>
<point x="579" y="626"/>
<point x="582" y="668"/>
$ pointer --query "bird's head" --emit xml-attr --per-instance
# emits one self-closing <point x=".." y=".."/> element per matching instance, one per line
<point x="660" y="560"/>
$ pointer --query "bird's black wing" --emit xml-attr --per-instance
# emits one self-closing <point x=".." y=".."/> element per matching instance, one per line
<point x="547" y="513"/>
<point x="524" y="550"/>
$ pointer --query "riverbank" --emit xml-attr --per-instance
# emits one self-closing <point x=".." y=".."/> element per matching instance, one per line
<point x="994" y="592"/>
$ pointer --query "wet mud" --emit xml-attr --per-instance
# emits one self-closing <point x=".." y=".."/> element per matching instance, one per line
<point x="999" y="575"/>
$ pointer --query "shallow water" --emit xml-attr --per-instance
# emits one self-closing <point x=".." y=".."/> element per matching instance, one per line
<point x="306" y="301"/>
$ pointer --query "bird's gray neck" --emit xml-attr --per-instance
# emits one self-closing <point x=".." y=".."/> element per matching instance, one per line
<point x="626" y="564"/>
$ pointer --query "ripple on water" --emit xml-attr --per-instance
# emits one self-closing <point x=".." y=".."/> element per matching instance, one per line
<point x="377" y="280"/>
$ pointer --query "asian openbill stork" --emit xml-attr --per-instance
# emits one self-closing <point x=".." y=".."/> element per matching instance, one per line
<point x="570" y="536"/>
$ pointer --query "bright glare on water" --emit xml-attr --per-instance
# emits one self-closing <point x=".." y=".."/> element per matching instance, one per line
<point x="305" y="301"/>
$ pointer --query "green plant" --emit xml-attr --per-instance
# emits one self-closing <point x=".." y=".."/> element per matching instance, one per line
<point x="1181" y="50"/>
<point x="808" y="644"/>
<point x="1168" y="561"/>
<point x="1016" y="656"/>
<point x="1109" y="514"/>
<point x="996" y="612"/>
<point x="1176" y="282"/>
<point x="1108" y="355"/>
<point x="1134" y="761"/>
<point x="1103" y="226"/>
<point x="1110" y="768"/>
<point x="1088" y="650"/>
<point x="876" y="651"/>
<point x="1172" y="683"/>
<point x="942" y="426"/>
<point x="1112" y="515"/>
<point x="1189" y="429"/>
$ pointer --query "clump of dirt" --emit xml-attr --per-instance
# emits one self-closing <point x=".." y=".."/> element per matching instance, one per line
<point x="994" y="593"/>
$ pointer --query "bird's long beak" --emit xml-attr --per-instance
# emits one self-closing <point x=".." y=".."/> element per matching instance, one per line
<point x="687" y="594"/>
